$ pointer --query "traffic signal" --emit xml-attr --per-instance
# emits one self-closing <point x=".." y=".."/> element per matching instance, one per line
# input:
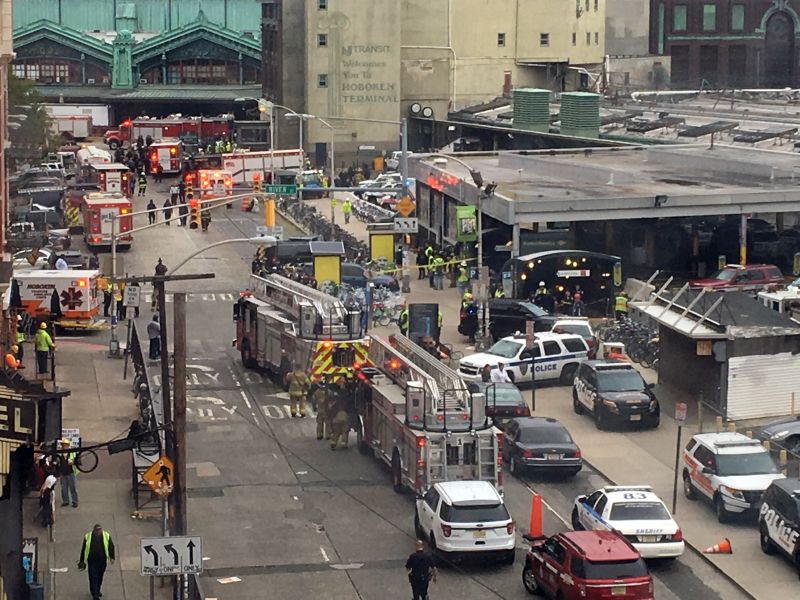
<point x="194" y="213"/>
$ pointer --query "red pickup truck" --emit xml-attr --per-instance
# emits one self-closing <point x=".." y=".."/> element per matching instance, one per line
<point x="741" y="278"/>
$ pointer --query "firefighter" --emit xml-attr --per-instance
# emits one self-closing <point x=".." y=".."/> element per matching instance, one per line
<point x="205" y="219"/>
<point x="341" y="418"/>
<point x="402" y="321"/>
<point x="298" y="384"/>
<point x="142" y="184"/>
<point x="320" y="399"/>
<point x="621" y="305"/>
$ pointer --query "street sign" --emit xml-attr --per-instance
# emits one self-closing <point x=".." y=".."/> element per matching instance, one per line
<point x="131" y="295"/>
<point x="406" y="225"/>
<point x="160" y="476"/>
<point x="73" y="434"/>
<point x="287" y="189"/>
<point x="528" y="333"/>
<point x="405" y="206"/>
<point x="681" y="410"/>
<point x="171" y="555"/>
<point x="276" y="231"/>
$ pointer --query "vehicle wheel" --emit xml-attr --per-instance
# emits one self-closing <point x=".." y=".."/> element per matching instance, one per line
<point x="654" y="421"/>
<point x="513" y="467"/>
<point x="688" y="488"/>
<point x="113" y="144"/>
<point x="568" y="374"/>
<point x="599" y="419"/>
<point x="529" y="580"/>
<point x="248" y="362"/>
<point x="510" y="375"/>
<point x="397" y="473"/>
<point x="719" y="508"/>
<point x="576" y="524"/>
<point x="509" y="557"/>
<point x="767" y="547"/>
<point x="576" y="405"/>
<point x="418" y="528"/>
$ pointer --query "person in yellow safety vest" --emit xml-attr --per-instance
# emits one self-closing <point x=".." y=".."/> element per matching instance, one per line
<point x="43" y="344"/>
<point x="438" y="272"/>
<point x="402" y="321"/>
<point x="347" y="210"/>
<point x="431" y="271"/>
<point x="96" y="552"/>
<point x="499" y="293"/>
<point x="298" y="385"/>
<point x="462" y="279"/>
<point x="439" y="322"/>
<point x="12" y="362"/>
<point x="466" y="299"/>
<point x="68" y="473"/>
<point x="20" y="340"/>
<point x="621" y="305"/>
<point x="118" y="300"/>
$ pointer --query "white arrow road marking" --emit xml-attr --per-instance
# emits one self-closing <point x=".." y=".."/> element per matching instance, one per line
<point x="211" y="399"/>
<point x="230" y="410"/>
<point x="324" y="554"/>
<point x="344" y="567"/>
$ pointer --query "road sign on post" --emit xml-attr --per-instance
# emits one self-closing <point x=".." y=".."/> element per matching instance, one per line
<point x="406" y="225"/>
<point x="171" y="555"/>
<point x="405" y="206"/>
<point x="681" y="410"/>
<point x="287" y="190"/>
<point x="160" y="476"/>
<point x="131" y="295"/>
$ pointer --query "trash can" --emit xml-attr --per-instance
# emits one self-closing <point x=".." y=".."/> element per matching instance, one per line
<point x="35" y="591"/>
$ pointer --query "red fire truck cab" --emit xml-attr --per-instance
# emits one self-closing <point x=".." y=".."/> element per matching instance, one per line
<point x="113" y="177"/>
<point x="103" y="211"/>
<point x="204" y="129"/>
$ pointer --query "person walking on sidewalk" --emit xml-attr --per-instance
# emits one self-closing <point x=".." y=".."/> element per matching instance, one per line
<point x="167" y="211"/>
<point x="462" y="279"/>
<point x="421" y="571"/>
<point x="183" y="211"/>
<point x="438" y="270"/>
<point x="151" y="216"/>
<point x="96" y="552"/>
<point x="421" y="261"/>
<point x="44" y="344"/>
<point x="46" y="515"/>
<point x="68" y="472"/>
<point x="154" y="335"/>
<point x="142" y="184"/>
<point x="347" y="210"/>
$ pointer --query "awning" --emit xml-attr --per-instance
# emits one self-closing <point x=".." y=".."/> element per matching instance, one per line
<point x="151" y="93"/>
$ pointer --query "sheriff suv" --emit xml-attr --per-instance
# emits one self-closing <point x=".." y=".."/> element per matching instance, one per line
<point x="614" y="392"/>
<point x="779" y="519"/>
<point x="728" y="469"/>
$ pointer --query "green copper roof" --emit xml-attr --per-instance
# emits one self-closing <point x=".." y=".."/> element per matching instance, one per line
<point x="44" y="29"/>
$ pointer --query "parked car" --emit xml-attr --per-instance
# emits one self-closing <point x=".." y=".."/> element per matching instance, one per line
<point x="580" y="326"/>
<point x="504" y="401"/>
<point x="779" y="519"/>
<point x="728" y="469"/>
<point x="465" y="517"/>
<point x="784" y="431"/>
<point x="591" y="565"/>
<point x="20" y="259"/>
<point x="741" y="278"/>
<point x="540" y="444"/>
<point x="557" y="356"/>
<point x="634" y="512"/>
<point x="509" y="316"/>
<point x="614" y="392"/>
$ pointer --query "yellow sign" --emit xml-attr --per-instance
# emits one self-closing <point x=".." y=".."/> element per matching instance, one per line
<point x="160" y="476"/>
<point x="405" y="206"/>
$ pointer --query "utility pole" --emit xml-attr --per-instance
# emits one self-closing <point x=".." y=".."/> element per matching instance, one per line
<point x="179" y="341"/>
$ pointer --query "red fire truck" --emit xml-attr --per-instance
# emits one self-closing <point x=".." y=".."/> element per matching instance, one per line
<point x="204" y="129"/>
<point x="99" y="208"/>
<point x="419" y="418"/>
<point x="113" y="177"/>
<point x="167" y="153"/>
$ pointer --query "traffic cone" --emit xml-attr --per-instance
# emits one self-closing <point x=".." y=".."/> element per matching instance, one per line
<point x="724" y="547"/>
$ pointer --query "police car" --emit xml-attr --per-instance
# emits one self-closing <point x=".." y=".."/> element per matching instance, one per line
<point x="634" y="512"/>
<point x="557" y="356"/>
<point x="730" y="470"/>
<point x="779" y="519"/>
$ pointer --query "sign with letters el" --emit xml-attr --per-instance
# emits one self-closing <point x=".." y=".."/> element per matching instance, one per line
<point x="18" y="420"/>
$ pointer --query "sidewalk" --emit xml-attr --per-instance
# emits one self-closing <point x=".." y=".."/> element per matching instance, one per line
<point x="102" y="406"/>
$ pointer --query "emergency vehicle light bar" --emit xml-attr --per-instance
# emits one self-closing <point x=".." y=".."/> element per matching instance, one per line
<point x="733" y="443"/>
<point x="628" y="488"/>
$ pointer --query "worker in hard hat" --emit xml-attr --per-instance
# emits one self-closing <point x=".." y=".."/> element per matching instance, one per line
<point x="43" y="344"/>
<point x="11" y="360"/>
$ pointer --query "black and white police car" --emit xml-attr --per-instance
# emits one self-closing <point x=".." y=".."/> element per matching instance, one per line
<point x="779" y="519"/>
<point x="557" y="356"/>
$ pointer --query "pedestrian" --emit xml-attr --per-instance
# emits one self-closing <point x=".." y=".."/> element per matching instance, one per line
<point x="462" y="279"/>
<point x="421" y="571"/>
<point x="142" y="183"/>
<point x="621" y="306"/>
<point x="578" y="305"/>
<point x="298" y="385"/>
<point x="320" y="399"/>
<point x="44" y="344"/>
<point x="500" y="375"/>
<point x="421" y="260"/>
<point x="152" y="215"/>
<point x="11" y="360"/>
<point x="154" y="335"/>
<point x="159" y="172"/>
<point x="61" y="263"/>
<point x="167" y="211"/>
<point x="97" y="551"/>
<point x="205" y="219"/>
<point x="107" y="296"/>
<point x="118" y="301"/>
<point x="47" y="502"/>
<point x="486" y="374"/>
<point x="341" y="418"/>
<point x="402" y="321"/>
<point x="438" y="270"/>
<point x="183" y="211"/>
<point x="182" y="191"/>
<point x="68" y="472"/>
<point x="20" y="340"/>
<point x="347" y="210"/>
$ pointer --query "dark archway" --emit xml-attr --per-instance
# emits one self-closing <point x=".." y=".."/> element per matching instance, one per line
<point x="779" y="57"/>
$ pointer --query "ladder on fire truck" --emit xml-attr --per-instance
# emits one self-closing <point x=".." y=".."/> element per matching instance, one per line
<point x="318" y="314"/>
<point x="404" y="361"/>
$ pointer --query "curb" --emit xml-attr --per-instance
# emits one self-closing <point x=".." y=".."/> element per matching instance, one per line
<point x="691" y="546"/>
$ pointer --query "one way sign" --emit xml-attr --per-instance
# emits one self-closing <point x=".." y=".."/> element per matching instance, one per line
<point x="171" y="555"/>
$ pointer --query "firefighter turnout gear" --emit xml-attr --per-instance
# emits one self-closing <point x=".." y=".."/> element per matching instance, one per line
<point x="320" y="398"/>
<point x="298" y="384"/>
<point x="341" y="418"/>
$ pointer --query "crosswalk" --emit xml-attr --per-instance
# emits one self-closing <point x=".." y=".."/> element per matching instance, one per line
<point x="196" y="297"/>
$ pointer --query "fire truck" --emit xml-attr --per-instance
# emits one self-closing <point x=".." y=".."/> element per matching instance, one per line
<point x="98" y="210"/>
<point x="167" y="153"/>
<point x="245" y="165"/>
<point x="112" y="177"/>
<point x="420" y="419"/>
<point x="281" y="324"/>
<point x="214" y="183"/>
<point x="203" y="129"/>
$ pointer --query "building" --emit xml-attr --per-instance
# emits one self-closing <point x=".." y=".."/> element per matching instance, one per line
<point x="141" y="56"/>
<point x="6" y="55"/>
<point x="742" y="43"/>
<point x="385" y="60"/>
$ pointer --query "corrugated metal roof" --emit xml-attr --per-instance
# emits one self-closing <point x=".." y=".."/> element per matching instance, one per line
<point x="152" y="92"/>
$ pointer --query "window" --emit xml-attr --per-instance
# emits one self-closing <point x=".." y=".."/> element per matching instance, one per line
<point x="322" y="80"/>
<point x="596" y="38"/>
<point x="544" y="39"/>
<point x="601" y="505"/>
<point x="679" y="17"/>
<point x="480" y="513"/>
<point x="576" y="567"/>
<point x="709" y="17"/>
<point x="501" y="39"/>
<point x="587" y="5"/>
<point x="322" y="40"/>
<point x="588" y="38"/>
<point x="595" y="5"/>
<point x="432" y="498"/>
<point x="737" y="17"/>
<point x="551" y="348"/>
<point x="704" y="456"/>
<point x="575" y="345"/>
<point x="574" y="38"/>
<point x="322" y="4"/>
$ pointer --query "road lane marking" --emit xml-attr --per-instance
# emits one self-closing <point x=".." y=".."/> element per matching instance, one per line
<point x="324" y="554"/>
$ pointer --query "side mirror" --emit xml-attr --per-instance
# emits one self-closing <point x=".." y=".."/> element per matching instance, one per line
<point x="708" y="471"/>
<point x="650" y="386"/>
<point x="420" y="497"/>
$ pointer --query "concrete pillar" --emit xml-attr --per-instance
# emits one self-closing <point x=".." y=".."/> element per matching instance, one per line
<point x="609" y="244"/>
<point x="779" y="222"/>
<point x="649" y="245"/>
<point x="515" y="241"/>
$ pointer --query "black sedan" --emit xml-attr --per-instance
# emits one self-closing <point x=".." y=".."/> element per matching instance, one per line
<point x="504" y="401"/>
<point x="784" y="432"/>
<point x="542" y="444"/>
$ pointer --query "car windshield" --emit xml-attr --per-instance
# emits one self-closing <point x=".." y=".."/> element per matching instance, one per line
<point x="505" y="395"/>
<point x="753" y="463"/>
<point x="544" y="435"/>
<point x="576" y="328"/>
<point x="639" y="511"/>
<point x="505" y="348"/>
<point x="483" y="513"/>
<point x="615" y="570"/>
<point x="621" y="380"/>
<point x="534" y="309"/>
<point x="724" y="275"/>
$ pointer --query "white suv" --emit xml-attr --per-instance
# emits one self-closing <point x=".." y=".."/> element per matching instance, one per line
<point x="557" y="356"/>
<point x="465" y="516"/>
<point x="729" y="469"/>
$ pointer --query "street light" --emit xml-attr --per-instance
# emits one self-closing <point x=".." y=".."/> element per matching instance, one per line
<point x="301" y="117"/>
<point x="266" y="240"/>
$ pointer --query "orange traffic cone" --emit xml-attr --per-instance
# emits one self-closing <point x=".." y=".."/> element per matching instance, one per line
<point x="724" y="547"/>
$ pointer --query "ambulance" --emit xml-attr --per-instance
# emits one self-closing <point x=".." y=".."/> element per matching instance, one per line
<point x="99" y="208"/>
<point x="167" y="153"/>
<point x="214" y="183"/>
<point x="78" y="298"/>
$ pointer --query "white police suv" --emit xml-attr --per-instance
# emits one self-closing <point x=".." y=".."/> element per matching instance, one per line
<point x="730" y="470"/>
<point x="636" y="513"/>
<point x="556" y="355"/>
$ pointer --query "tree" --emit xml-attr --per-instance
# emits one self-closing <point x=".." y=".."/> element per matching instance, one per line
<point x="32" y="136"/>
